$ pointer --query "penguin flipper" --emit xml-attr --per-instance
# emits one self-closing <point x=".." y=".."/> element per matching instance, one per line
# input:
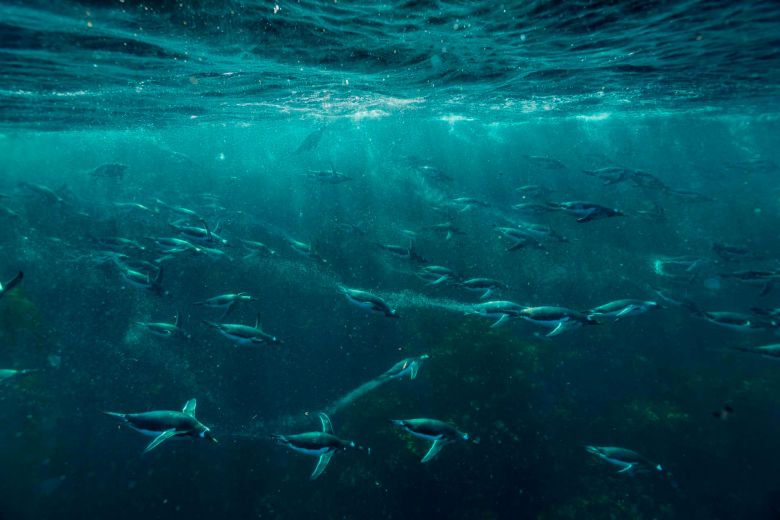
<point x="438" y="281"/>
<point x="11" y="283"/>
<point x="486" y="294"/>
<point x="164" y="436"/>
<point x="327" y="426"/>
<point x="627" y="469"/>
<point x="501" y="320"/>
<point x="627" y="310"/>
<point x="414" y="369"/>
<point x="435" y="449"/>
<point x="557" y="330"/>
<point x="189" y="407"/>
<point x="321" y="464"/>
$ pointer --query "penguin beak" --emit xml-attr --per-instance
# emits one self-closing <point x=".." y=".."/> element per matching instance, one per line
<point x="210" y="437"/>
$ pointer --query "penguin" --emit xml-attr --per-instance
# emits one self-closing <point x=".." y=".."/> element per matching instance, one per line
<point x="308" y="250"/>
<point x="166" y="424"/>
<point x="768" y="351"/>
<point x="243" y="335"/>
<point x="8" y="373"/>
<point x="468" y="203"/>
<point x="327" y="176"/>
<point x="140" y="279"/>
<point x="541" y="232"/>
<point x="226" y="302"/>
<point x="484" y="285"/>
<point x="110" y="171"/>
<point x="409" y="366"/>
<point x="165" y="330"/>
<point x="118" y="243"/>
<point x="518" y="238"/>
<point x="611" y="174"/>
<point x="447" y="228"/>
<point x="317" y="444"/>
<point x="586" y="211"/>
<point x="10" y="284"/>
<point x="172" y="245"/>
<point x="436" y="274"/>
<point x="737" y="321"/>
<point x="559" y="319"/>
<point x="438" y="432"/>
<point x="404" y="253"/>
<point x="764" y="279"/>
<point x="619" y="309"/>
<point x="629" y="462"/>
<point x="199" y="234"/>
<point x="502" y="310"/>
<point x="366" y="300"/>
<point x="547" y="163"/>
<point x="180" y="210"/>
<point x="257" y="248"/>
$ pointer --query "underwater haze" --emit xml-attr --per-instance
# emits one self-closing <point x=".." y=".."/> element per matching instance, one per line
<point x="393" y="260"/>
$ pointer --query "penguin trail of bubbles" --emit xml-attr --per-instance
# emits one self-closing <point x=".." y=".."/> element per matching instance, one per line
<point x="414" y="300"/>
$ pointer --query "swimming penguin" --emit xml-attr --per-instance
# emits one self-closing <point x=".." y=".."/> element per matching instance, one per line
<point x="118" y="243"/>
<point x="180" y="210"/>
<point x="109" y="171"/>
<point x="447" y="228"/>
<point x="768" y="351"/>
<point x="734" y="253"/>
<point x="46" y="192"/>
<point x="404" y="253"/>
<point x="436" y="274"/>
<point x="172" y="245"/>
<point x="559" y="319"/>
<point x="533" y="208"/>
<point x="586" y="211"/>
<point x="409" y="366"/>
<point x="8" y="373"/>
<point x="244" y="335"/>
<point x="317" y="444"/>
<point x="366" y="300"/>
<point x="165" y="330"/>
<point x="133" y="206"/>
<point x="438" y="432"/>
<point x="763" y="279"/>
<point x="611" y="174"/>
<point x="499" y="310"/>
<point x="328" y="176"/>
<point x="10" y="284"/>
<point x="226" y="302"/>
<point x="518" y="238"/>
<point x="308" y="250"/>
<point x="257" y="248"/>
<point x="533" y="191"/>
<point x="541" y="232"/>
<point x="199" y="234"/>
<point x="629" y="462"/>
<point x="547" y="163"/>
<point x="737" y="321"/>
<point x="166" y="424"/>
<point x="484" y="285"/>
<point x="467" y="203"/>
<point x="619" y="309"/>
<point x="148" y="281"/>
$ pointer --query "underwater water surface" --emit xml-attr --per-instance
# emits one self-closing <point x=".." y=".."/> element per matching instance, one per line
<point x="547" y="229"/>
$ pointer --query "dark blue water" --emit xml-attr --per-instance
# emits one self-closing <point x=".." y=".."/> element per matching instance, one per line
<point x="241" y="112"/>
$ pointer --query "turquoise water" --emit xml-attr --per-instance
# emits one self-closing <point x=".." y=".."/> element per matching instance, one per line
<point x="371" y="146"/>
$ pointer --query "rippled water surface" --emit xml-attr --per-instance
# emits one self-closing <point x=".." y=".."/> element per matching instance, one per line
<point x="164" y="63"/>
